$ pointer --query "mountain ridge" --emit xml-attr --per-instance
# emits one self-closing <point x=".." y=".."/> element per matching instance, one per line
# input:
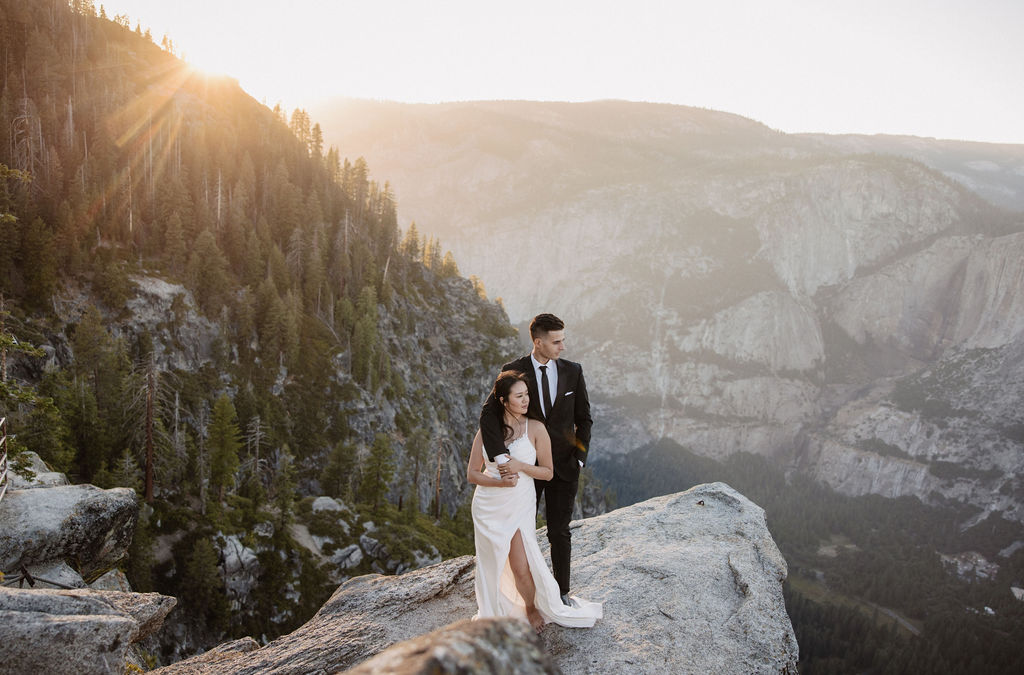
<point x="765" y="278"/>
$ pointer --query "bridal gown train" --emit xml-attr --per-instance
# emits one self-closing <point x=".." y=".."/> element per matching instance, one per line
<point x="498" y="512"/>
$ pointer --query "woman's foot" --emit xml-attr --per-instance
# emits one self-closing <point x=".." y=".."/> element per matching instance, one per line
<point x="535" y="619"/>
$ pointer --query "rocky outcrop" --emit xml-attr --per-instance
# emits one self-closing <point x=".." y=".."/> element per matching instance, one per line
<point x="771" y="329"/>
<point x="991" y="301"/>
<point x="81" y="523"/>
<point x="33" y="473"/>
<point x="954" y="430"/>
<point x="77" y="631"/>
<point x="182" y="337"/>
<point x="905" y="305"/>
<point x="505" y="646"/>
<point x="841" y="216"/>
<point x="691" y="583"/>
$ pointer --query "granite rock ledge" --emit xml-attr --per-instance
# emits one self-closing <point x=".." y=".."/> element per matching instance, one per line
<point x="691" y="583"/>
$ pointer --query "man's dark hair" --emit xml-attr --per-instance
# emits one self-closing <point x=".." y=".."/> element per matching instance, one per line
<point x="542" y="324"/>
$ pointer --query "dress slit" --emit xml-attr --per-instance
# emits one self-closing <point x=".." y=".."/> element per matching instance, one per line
<point x="498" y="514"/>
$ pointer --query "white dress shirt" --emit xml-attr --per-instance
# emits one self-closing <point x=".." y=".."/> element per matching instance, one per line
<point x="552" y="380"/>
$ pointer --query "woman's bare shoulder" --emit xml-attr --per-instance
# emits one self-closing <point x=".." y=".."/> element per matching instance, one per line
<point x="537" y="429"/>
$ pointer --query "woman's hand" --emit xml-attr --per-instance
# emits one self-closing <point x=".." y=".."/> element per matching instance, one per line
<point x="509" y="480"/>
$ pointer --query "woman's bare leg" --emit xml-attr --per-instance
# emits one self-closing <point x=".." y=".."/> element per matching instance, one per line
<point x="524" y="580"/>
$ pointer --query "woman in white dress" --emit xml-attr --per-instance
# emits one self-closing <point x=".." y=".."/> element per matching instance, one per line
<point x="512" y="576"/>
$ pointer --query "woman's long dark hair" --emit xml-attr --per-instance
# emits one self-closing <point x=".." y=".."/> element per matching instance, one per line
<point x="502" y="386"/>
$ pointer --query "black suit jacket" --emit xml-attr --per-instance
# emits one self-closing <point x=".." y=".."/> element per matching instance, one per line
<point x="568" y="422"/>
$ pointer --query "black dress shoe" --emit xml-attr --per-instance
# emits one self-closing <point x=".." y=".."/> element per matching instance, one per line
<point x="565" y="600"/>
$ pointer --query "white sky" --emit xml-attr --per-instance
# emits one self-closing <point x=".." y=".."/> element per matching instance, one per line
<point x="941" y="68"/>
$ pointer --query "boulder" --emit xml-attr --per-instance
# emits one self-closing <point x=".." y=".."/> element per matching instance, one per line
<point x="211" y="660"/>
<point x="328" y="504"/>
<point x="80" y="523"/>
<point x="114" y="580"/>
<point x="240" y="565"/>
<point x="691" y="583"/>
<point x="76" y="631"/>
<point x="348" y="557"/>
<point x="54" y="574"/>
<point x="466" y="647"/>
<point x="41" y="475"/>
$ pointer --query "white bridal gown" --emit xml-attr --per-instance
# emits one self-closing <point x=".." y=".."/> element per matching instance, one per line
<point x="497" y="513"/>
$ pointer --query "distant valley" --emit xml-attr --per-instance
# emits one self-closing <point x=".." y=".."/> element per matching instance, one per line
<point x="844" y="305"/>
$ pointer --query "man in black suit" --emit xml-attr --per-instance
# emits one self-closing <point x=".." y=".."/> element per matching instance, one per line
<point x="558" y="396"/>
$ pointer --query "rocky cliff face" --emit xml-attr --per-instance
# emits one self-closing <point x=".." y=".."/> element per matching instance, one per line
<point x="691" y="583"/>
<point x="55" y="622"/>
<point x="994" y="171"/>
<point x="445" y="352"/>
<point x="736" y="289"/>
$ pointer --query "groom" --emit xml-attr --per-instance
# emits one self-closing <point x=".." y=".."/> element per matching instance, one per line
<point x="558" y="395"/>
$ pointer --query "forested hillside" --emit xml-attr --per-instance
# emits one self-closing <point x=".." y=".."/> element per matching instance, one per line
<point x="201" y="301"/>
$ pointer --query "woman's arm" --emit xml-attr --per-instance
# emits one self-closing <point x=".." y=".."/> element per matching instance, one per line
<point x="542" y="442"/>
<point x="476" y="476"/>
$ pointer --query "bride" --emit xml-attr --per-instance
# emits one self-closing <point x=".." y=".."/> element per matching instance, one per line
<point x="512" y="576"/>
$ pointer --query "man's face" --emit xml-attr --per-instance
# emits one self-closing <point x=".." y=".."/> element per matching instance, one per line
<point x="549" y="345"/>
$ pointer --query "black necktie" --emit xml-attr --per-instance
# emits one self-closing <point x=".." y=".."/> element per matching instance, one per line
<point x="545" y="390"/>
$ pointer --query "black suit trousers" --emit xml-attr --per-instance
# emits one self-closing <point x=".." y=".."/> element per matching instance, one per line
<point x="559" y="499"/>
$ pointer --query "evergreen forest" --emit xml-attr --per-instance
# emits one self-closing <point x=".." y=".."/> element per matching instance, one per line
<point x="200" y="301"/>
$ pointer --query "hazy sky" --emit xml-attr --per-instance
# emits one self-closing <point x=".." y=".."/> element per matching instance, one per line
<point x="942" y="68"/>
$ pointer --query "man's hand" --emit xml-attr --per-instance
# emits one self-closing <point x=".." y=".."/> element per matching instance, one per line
<point x="512" y="466"/>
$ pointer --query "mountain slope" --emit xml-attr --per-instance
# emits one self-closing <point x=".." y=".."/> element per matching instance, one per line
<point x="227" y="323"/>
<point x="729" y="287"/>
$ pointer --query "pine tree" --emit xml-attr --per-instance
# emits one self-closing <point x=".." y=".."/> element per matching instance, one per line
<point x="378" y="471"/>
<point x="410" y="246"/>
<point x="127" y="472"/>
<point x="432" y="255"/>
<point x="270" y="326"/>
<point x="41" y="275"/>
<point x="316" y="142"/>
<point x="448" y="267"/>
<point x="282" y="488"/>
<point x="207" y="272"/>
<point x="203" y="590"/>
<point x="175" y="252"/>
<point x="365" y="338"/>
<point x="223" y="444"/>
<point x="149" y="400"/>
<point x="416" y="451"/>
<point x="300" y="126"/>
<point x="90" y="344"/>
<point x="46" y="431"/>
<point x="336" y="478"/>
